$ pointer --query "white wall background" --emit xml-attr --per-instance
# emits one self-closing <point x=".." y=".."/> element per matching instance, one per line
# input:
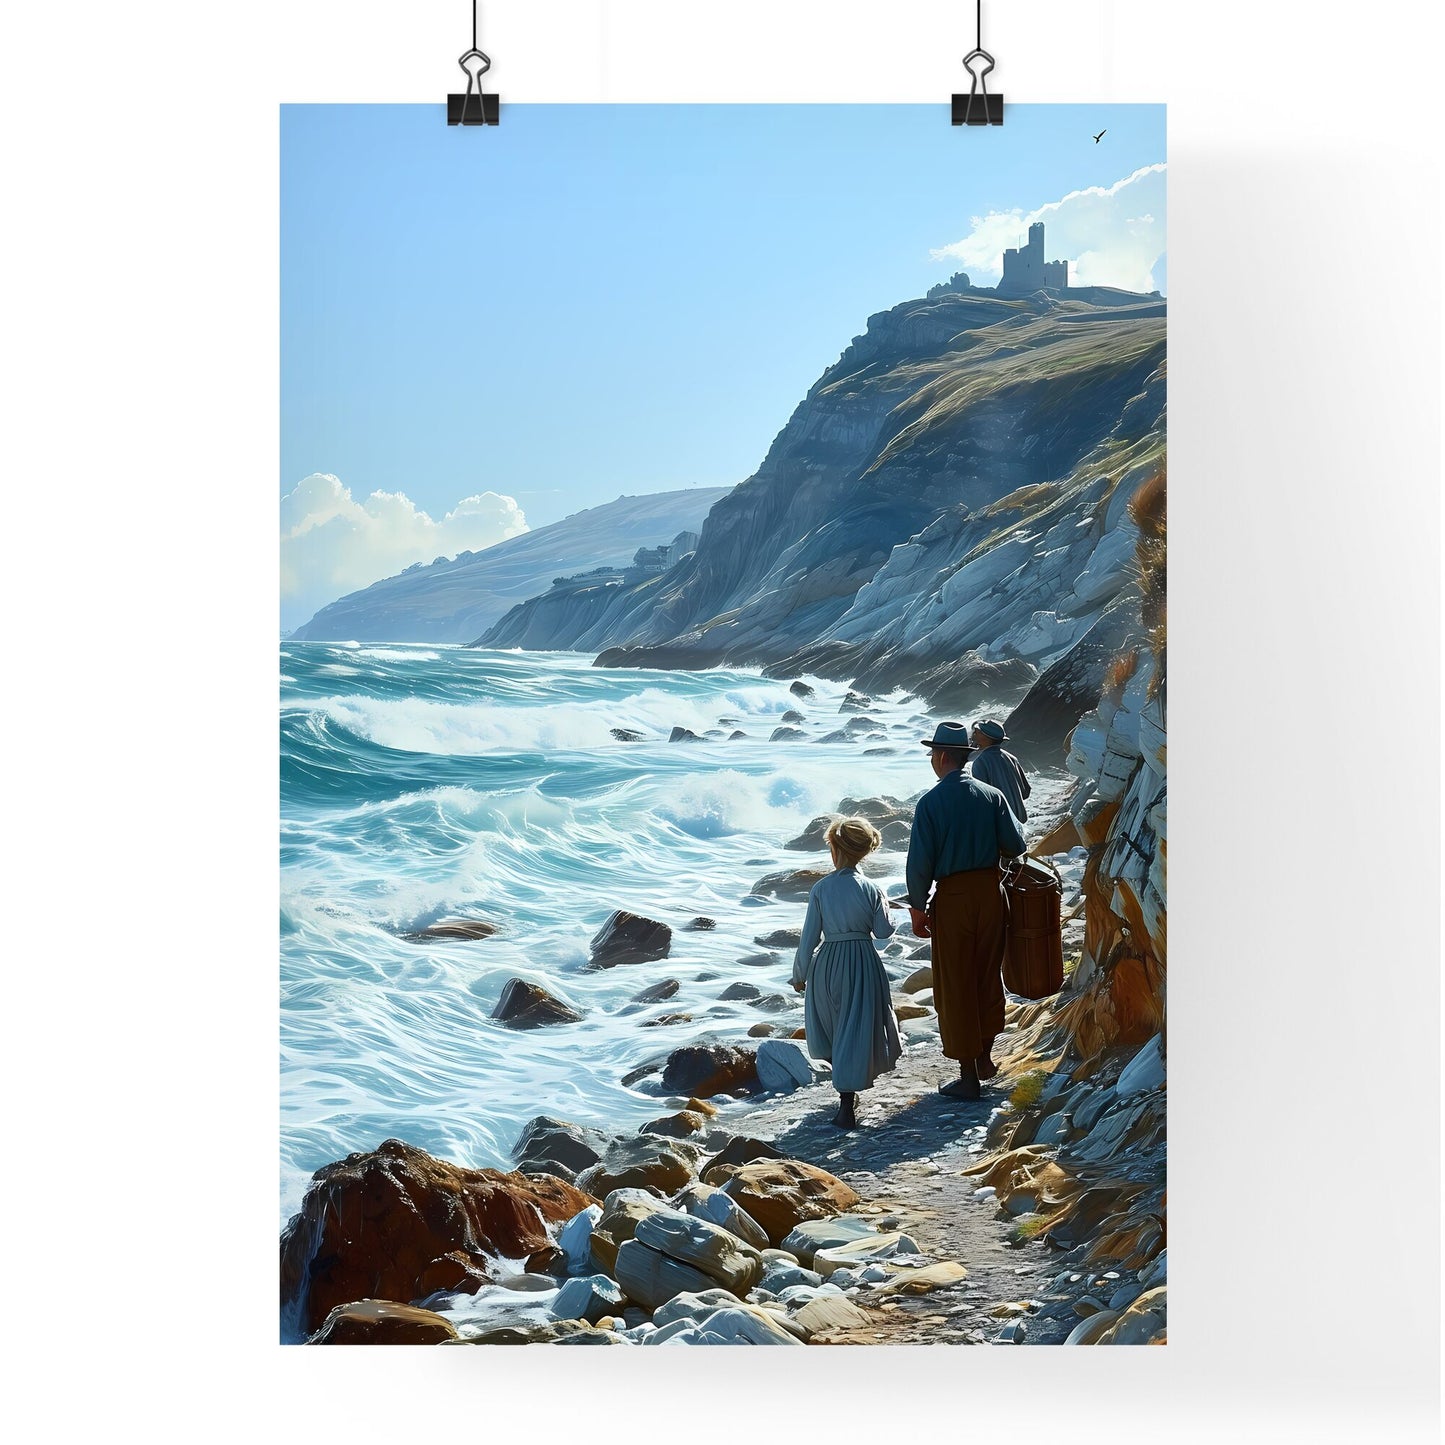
<point x="140" y="450"/>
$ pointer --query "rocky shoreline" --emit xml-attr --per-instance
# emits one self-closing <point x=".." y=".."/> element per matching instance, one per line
<point x="741" y="1215"/>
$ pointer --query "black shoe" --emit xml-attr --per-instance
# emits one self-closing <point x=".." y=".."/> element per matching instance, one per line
<point x="961" y="1088"/>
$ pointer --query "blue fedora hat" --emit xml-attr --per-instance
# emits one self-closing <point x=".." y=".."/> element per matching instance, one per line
<point x="949" y="735"/>
<point x="994" y="730"/>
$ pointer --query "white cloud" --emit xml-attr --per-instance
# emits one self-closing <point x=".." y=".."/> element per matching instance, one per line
<point x="332" y="544"/>
<point x="1109" y="233"/>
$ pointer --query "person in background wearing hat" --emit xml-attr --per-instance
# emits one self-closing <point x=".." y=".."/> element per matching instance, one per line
<point x="961" y="829"/>
<point x="999" y="769"/>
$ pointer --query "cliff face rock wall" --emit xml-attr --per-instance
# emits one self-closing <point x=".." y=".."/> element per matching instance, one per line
<point x="1089" y="1158"/>
<point x="454" y="601"/>
<point x="953" y="492"/>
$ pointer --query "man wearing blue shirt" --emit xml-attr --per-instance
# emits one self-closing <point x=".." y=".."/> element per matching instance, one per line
<point x="961" y="829"/>
<point x="1001" y="770"/>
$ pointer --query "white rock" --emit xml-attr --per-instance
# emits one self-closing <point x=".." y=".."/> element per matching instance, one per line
<point x="704" y="1202"/>
<point x="1144" y="1071"/>
<point x="782" y="1065"/>
<point x="574" y="1239"/>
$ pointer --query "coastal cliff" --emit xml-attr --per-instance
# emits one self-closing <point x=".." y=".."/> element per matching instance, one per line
<point x="950" y="499"/>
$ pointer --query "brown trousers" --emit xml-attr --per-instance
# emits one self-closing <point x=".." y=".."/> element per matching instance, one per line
<point x="967" y="918"/>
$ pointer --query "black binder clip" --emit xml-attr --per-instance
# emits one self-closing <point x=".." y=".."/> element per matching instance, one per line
<point x="978" y="107"/>
<point x="473" y="107"/>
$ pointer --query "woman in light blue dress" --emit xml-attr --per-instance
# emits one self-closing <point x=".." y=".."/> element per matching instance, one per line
<point x="848" y="1010"/>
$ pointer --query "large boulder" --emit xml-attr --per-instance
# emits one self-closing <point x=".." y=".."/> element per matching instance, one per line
<point x="381" y="1322"/>
<point x="706" y="1202"/>
<point x="718" y="1253"/>
<point x="652" y="1278"/>
<point x="525" y="1005"/>
<point x="629" y="938"/>
<point x="621" y="1212"/>
<point x="781" y="1193"/>
<point x="545" y="1139"/>
<point x="706" y="1069"/>
<point x="642" y="1161"/>
<point x="371" y="1224"/>
<point x="811" y="839"/>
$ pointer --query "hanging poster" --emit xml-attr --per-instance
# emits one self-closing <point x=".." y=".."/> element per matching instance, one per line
<point x="722" y="724"/>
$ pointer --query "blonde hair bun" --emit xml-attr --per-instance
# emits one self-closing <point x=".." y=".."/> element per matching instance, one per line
<point x="854" y="838"/>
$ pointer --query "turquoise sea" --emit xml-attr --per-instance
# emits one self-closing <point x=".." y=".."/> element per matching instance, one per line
<point x="426" y="783"/>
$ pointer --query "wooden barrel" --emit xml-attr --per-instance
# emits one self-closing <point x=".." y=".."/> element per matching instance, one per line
<point x="1033" y="960"/>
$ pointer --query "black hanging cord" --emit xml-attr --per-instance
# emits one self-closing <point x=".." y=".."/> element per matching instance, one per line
<point x="464" y="109"/>
<point x="978" y="107"/>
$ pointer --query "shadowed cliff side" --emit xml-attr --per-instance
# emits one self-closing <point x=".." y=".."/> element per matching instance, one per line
<point x="1084" y="1154"/>
<point x="951" y="494"/>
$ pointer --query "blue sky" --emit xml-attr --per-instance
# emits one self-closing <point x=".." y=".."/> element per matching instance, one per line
<point x="592" y="300"/>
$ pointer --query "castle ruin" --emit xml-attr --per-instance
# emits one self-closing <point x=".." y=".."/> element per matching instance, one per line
<point x="1025" y="270"/>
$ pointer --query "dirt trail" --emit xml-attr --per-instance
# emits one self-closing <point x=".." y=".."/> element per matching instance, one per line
<point x="905" y="1160"/>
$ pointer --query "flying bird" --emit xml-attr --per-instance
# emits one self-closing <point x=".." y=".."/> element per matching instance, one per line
<point x="1101" y="135"/>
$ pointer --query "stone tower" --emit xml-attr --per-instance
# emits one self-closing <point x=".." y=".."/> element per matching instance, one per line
<point x="1025" y="270"/>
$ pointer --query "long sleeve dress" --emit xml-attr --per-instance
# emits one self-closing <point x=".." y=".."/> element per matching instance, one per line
<point x="848" y="1007"/>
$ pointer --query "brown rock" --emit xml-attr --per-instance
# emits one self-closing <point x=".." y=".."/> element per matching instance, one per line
<point x="781" y="1193"/>
<point x="453" y="1273"/>
<point x="666" y="1021"/>
<point x="739" y="1150"/>
<point x="780" y="938"/>
<point x="526" y="1005"/>
<point x="707" y="1069"/>
<point x="1142" y="1322"/>
<point x="644" y="1161"/>
<point x="918" y="980"/>
<point x="603" y="1249"/>
<point x="905" y="1011"/>
<point x="547" y="1260"/>
<point x="657" y="992"/>
<point x="371" y="1224"/>
<point x="701" y="1106"/>
<point x="382" y="1322"/>
<point x="548" y="1140"/>
<point x="675" y="1126"/>
<point x="811" y="839"/>
<point x="923" y="1281"/>
<point x="795" y="885"/>
<point x="629" y="938"/>
<point x="828" y="1314"/>
<point x="459" y="929"/>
